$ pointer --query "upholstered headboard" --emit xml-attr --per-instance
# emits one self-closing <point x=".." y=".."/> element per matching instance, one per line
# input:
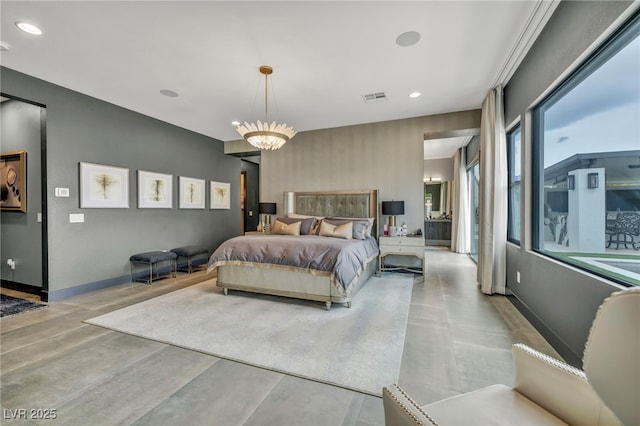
<point x="334" y="204"/>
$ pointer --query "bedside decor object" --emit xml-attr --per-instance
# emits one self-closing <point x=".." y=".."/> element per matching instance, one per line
<point x="13" y="181"/>
<point x="103" y="186"/>
<point x="266" y="209"/>
<point x="392" y="209"/>
<point x="265" y="135"/>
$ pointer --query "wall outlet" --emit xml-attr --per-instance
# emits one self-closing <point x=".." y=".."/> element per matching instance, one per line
<point x="518" y="277"/>
<point x="76" y="217"/>
<point x="11" y="263"/>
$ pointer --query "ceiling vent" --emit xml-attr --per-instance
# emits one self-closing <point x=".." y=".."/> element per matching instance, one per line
<point x="375" y="97"/>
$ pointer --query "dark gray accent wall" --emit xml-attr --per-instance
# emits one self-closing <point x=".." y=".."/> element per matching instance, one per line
<point x="560" y="300"/>
<point x="85" y="256"/>
<point x="21" y="233"/>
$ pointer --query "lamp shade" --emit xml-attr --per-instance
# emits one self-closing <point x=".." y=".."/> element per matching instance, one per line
<point x="267" y="208"/>
<point x="393" y="207"/>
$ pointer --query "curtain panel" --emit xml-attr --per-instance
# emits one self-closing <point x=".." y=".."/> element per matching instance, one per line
<point x="460" y="224"/>
<point x="492" y="246"/>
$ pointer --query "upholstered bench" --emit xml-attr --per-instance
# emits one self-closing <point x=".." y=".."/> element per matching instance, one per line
<point x="193" y="255"/>
<point x="153" y="259"/>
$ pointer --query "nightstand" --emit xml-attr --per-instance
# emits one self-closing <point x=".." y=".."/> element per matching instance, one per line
<point x="401" y="246"/>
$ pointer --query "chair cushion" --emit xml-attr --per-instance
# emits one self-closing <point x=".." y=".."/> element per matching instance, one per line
<point x="496" y="404"/>
<point x="187" y="251"/>
<point x="153" y="256"/>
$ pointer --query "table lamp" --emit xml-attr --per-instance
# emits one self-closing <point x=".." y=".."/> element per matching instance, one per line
<point x="392" y="209"/>
<point x="266" y="209"/>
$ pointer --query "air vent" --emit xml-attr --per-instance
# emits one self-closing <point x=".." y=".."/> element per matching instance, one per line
<point x="375" y="97"/>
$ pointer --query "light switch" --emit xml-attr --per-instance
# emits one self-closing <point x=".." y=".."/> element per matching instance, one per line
<point x="76" y="217"/>
<point x="39" y="217"/>
<point x="62" y="192"/>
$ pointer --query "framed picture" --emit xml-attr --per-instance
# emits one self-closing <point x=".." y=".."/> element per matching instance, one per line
<point x="13" y="181"/>
<point x="155" y="190"/>
<point x="191" y="193"/>
<point x="220" y="195"/>
<point x="103" y="187"/>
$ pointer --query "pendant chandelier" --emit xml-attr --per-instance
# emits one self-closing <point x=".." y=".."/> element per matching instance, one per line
<point x="265" y="135"/>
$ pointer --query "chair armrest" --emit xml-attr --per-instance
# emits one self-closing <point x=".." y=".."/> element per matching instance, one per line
<point x="401" y="410"/>
<point x="558" y="387"/>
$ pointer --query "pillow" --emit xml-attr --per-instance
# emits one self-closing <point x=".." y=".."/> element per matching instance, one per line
<point x="315" y="226"/>
<point x="338" y="231"/>
<point x="305" y="224"/>
<point x="286" y="229"/>
<point x="359" y="227"/>
<point x="366" y="221"/>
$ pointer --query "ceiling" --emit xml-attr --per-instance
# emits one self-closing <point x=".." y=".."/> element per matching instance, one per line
<point x="325" y="55"/>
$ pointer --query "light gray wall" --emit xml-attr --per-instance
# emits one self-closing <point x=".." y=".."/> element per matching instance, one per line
<point x="89" y="255"/>
<point x="441" y="167"/>
<point x="20" y="232"/>
<point x="387" y="156"/>
<point x="560" y="300"/>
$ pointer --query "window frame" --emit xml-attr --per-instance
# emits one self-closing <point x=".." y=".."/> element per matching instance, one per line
<point x="627" y="32"/>
<point x="516" y="127"/>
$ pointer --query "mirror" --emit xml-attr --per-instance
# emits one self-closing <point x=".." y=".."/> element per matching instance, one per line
<point x="437" y="200"/>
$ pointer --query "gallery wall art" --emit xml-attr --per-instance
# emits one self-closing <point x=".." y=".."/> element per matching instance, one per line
<point x="220" y="195"/>
<point x="103" y="186"/>
<point x="13" y="181"/>
<point x="192" y="193"/>
<point x="155" y="190"/>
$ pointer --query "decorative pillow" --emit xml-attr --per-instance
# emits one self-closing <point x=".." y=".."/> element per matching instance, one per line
<point x="305" y="224"/>
<point x="358" y="223"/>
<point x="315" y="227"/>
<point x="338" y="231"/>
<point x="281" y="228"/>
<point x="359" y="227"/>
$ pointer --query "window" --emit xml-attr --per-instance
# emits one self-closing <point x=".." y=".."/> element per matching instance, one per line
<point x="587" y="163"/>
<point x="513" y="165"/>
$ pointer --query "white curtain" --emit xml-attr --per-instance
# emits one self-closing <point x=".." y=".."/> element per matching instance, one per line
<point x="461" y="227"/>
<point x="492" y="246"/>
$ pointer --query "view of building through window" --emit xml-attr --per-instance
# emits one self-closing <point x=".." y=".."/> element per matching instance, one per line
<point x="587" y="142"/>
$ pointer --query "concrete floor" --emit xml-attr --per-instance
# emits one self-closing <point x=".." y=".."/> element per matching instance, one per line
<point x="457" y="340"/>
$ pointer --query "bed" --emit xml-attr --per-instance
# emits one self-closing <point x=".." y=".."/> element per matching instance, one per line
<point x="306" y="266"/>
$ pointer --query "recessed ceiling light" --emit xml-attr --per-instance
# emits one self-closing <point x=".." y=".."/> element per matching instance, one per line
<point x="235" y="123"/>
<point x="28" y="28"/>
<point x="408" y="39"/>
<point x="169" y="93"/>
<point x="414" y="94"/>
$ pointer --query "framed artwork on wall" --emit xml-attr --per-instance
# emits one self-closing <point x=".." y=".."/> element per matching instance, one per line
<point x="191" y="193"/>
<point x="103" y="186"/>
<point x="220" y="195"/>
<point x="13" y="181"/>
<point x="155" y="190"/>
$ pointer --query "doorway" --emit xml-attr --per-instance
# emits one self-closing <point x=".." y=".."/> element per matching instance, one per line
<point x="249" y="195"/>
<point x="24" y="233"/>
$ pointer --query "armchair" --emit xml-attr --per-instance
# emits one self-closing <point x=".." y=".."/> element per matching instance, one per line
<point x="548" y="391"/>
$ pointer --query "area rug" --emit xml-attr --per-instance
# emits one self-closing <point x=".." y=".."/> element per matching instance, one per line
<point x="358" y="348"/>
<point x="10" y="305"/>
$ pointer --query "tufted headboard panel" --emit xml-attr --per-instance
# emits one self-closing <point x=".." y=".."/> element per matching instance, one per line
<point x="334" y="204"/>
